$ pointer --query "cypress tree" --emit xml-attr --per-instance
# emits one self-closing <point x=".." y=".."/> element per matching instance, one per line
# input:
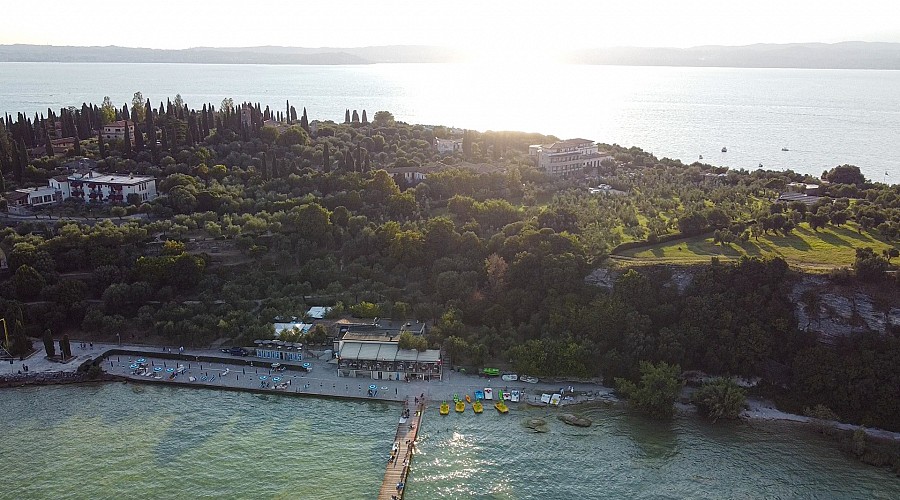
<point x="347" y="116"/>
<point x="365" y="120"/>
<point x="101" y="143"/>
<point x="304" y="122"/>
<point x="293" y="114"/>
<point x="77" y="146"/>
<point x="127" y="148"/>
<point x="326" y="161"/>
<point x="355" y="116"/>
<point x="150" y="126"/>
<point x="138" y="140"/>
<point x="125" y="114"/>
<point x="48" y="343"/>
<point x="48" y="146"/>
<point x="21" y="162"/>
<point x="287" y="109"/>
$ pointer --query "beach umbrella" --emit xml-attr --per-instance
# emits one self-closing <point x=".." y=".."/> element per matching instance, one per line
<point x="306" y="365"/>
<point x="134" y="366"/>
<point x="263" y="377"/>
<point x="170" y="370"/>
<point x="141" y="360"/>
<point x="276" y="379"/>
<point x="373" y="387"/>
<point x="158" y="369"/>
<point x="258" y="342"/>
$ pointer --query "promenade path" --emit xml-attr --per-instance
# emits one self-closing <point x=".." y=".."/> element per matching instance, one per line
<point x="322" y="381"/>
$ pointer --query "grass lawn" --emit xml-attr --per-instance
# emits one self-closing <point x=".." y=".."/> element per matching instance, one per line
<point x="824" y="249"/>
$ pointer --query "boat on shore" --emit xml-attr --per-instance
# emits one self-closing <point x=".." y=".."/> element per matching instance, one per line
<point x="501" y="407"/>
<point x="468" y="399"/>
<point x="554" y="399"/>
<point x="509" y="377"/>
<point x="529" y="379"/>
<point x="460" y="407"/>
<point x="477" y="407"/>
<point x="514" y="396"/>
<point x="445" y="408"/>
<point x="488" y="393"/>
<point x="479" y="395"/>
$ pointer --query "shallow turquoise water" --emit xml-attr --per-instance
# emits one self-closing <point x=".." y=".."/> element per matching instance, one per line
<point x="117" y="440"/>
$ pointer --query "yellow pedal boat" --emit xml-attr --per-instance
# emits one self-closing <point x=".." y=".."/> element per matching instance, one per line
<point x="460" y="406"/>
<point x="501" y="407"/>
<point x="445" y="408"/>
<point x="477" y="407"/>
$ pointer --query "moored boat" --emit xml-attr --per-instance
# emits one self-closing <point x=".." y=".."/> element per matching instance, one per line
<point x="477" y="407"/>
<point x="488" y="393"/>
<point x="445" y="408"/>
<point x="514" y="396"/>
<point x="468" y="399"/>
<point x="479" y="395"/>
<point x="460" y="407"/>
<point x="509" y="377"/>
<point x="554" y="399"/>
<point x="528" y="379"/>
<point x="501" y="407"/>
<point x="724" y="149"/>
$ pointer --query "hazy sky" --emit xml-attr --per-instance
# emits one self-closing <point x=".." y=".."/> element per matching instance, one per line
<point x="498" y="26"/>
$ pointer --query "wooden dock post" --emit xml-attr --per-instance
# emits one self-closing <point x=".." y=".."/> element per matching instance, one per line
<point x="396" y="472"/>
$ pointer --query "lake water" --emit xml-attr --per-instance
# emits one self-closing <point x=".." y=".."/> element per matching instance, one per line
<point x="117" y="441"/>
<point x="824" y="117"/>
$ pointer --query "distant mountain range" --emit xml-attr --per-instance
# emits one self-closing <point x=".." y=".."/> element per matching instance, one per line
<point x="845" y="55"/>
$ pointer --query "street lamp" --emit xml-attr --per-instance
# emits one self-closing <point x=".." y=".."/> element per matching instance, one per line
<point x="119" y="339"/>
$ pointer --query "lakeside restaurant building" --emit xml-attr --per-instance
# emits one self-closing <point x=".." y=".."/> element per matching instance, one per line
<point x="278" y="350"/>
<point x="373" y="352"/>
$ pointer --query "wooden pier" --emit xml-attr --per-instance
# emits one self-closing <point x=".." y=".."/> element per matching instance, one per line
<point x="397" y="468"/>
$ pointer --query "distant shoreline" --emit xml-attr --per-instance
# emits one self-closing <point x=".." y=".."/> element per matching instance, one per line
<point x="844" y="55"/>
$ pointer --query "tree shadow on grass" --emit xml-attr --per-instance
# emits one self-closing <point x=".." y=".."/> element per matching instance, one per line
<point x="658" y="252"/>
<point x="833" y="239"/>
<point x="705" y="248"/>
<point x="791" y="240"/>
<point x="849" y="233"/>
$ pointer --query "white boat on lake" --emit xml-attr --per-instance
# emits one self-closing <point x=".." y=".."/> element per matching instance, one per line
<point x="488" y="393"/>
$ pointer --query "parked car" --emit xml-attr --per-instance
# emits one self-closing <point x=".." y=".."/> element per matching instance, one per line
<point x="238" y="351"/>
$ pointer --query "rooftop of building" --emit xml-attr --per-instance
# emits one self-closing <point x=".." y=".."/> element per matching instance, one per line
<point x="364" y="351"/>
<point x="97" y="178"/>
<point x="120" y="123"/>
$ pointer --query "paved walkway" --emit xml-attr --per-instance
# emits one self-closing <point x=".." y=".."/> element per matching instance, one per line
<point x="323" y="379"/>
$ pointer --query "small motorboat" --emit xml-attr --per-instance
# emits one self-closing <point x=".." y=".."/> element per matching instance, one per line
<point x="528" y="379"/>
<point x="514" y="396"/>
<point x="501" y="407"/>
<point x="468" y="399"/>
<point x="227" y="370"/>
<point x="445" y="408"/>
<point x="701" y="157"/>
<point x="477" y="407"/>
<point x="479" y="395"/>
<point x="785" y="149"/>
<point x="491" y="372"/>
<point x="460" y="407"/>
<point x="509" y="377"/>
<point x="554" y="399"/>
<point x="724" y="149"/>
<point x="488" y="393"/>
<point x="506" y="395"/>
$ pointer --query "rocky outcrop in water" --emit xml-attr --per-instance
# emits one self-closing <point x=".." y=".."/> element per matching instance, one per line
<point x="575" y="420"/>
